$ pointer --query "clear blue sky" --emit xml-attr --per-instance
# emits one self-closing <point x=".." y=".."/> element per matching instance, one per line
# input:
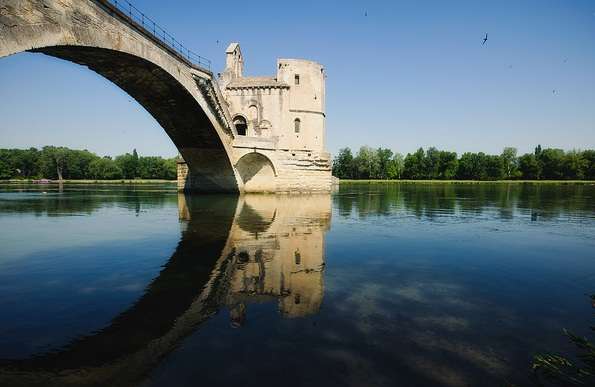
<point x="408" y="74"/>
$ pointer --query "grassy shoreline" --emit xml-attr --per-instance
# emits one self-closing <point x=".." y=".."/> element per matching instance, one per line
<point x="407" y="181"/>
<point x="342" y="181"/>
<point x="87" y="181"/>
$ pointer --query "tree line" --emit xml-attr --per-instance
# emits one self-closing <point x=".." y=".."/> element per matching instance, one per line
<point x="60" y="163"/>
<point x="542" y="164"/>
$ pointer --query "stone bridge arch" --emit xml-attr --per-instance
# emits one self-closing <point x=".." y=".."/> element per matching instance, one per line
<point x="93" y="34"/>
<point x="257" y="172"/>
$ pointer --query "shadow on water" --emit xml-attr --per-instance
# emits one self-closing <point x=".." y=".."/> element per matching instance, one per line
<point x="233" y="252"/>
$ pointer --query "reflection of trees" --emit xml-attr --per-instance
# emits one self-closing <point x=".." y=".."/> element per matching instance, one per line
<point x="232" y="252"/>
<point x="540" y="201"/>
<point x="79" y="201"/>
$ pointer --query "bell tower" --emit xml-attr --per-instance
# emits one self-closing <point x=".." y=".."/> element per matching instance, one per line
<point x="234" y="64"/>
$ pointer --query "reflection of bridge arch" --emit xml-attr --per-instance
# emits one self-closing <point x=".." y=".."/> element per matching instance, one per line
<point x="214" y="253"/>
<point x="183" y="295"/>
<point x="254" y="221"/>
<point x="174" y="91"/>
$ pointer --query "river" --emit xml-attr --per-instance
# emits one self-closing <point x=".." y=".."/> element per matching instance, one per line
<point x="373" y="285"/>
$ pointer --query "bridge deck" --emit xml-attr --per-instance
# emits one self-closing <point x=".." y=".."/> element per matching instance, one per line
<point x="143" y="24"/>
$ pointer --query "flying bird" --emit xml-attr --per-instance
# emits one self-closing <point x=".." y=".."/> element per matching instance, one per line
<point x="554" y="91"/>
<point x="485" y="39"/>
<point x="365" y="13"/>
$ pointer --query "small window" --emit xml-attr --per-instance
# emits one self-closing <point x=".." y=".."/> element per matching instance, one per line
<point x="297" y="79"/>
<point x="296" y="125"/>
<point x="298" y="257"/>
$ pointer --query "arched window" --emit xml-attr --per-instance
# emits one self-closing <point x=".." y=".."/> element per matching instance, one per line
<point x="240" y="124"/>
<point x="298" y="257"/>
<point x="253" y="113"/>
<point x="296" y="125"/>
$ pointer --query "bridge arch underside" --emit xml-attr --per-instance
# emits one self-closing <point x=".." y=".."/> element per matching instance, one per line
<point x="84" y="32"/>
<point x="170" y="104"/>
<point x="257" y="173"/>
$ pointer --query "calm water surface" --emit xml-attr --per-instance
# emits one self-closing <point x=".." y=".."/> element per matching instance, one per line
<point x="374" y="285"/>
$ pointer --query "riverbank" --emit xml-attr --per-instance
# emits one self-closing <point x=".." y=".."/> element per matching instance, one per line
<point x="407" y="181"/>
<point x="119" y="181"/>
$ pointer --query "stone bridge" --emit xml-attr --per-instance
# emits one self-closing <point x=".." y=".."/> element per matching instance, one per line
<point x="125" y="47"/>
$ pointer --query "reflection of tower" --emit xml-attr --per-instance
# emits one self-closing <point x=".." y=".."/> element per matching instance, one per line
<point x="279" y="242"/>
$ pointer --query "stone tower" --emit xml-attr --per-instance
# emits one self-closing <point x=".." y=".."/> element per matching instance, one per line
<point x="280" y="120"/>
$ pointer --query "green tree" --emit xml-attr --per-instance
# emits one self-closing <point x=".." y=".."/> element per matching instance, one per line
<point x="104" y="168"/>
<point x="366" y="163"/>
<point x="63" y="163"/>
<point x="60" y="162"/>
<point x="413" y="165"/>
<point x="53" y="162"/>
<point x="448" y="165"/>
<point x="574" y="165"/>
<point x="152" y="168"/>
<point x="5" y="170"/>
<point x="343" y="164"/>
<point x="529" y="167"/>
<point x="472" y="166"/>
<point x="510" y="162"/>
<point x="395" y="167"/>
<point x="384" y="157"/>
<point x="589" y="157"/>
<point x="494" y="168"/>
<point x="431" y="163"/>
<point x="171" y="166"/>
<point x="129" y="164"/>
<point x="77" y="163"/>
<point x="23" y="162"/>
<point x="552" y="163"/>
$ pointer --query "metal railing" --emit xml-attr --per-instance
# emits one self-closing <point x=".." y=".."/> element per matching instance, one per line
<point x="149" y="26"/>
